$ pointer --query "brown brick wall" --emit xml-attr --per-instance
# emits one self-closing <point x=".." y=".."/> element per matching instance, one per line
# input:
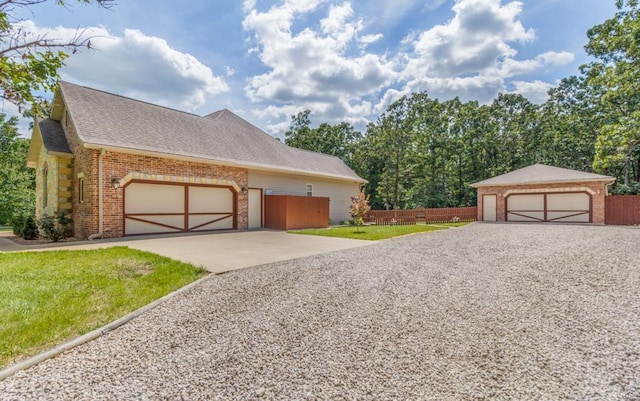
<point x="118" y="165"/>
<point x="597" y="199"/>
<point x="85" y="165"/>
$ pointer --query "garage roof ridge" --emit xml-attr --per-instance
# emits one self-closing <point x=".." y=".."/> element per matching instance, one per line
<point x="541" y="174"/>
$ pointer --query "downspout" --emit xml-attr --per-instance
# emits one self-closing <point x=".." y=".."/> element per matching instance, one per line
<point x="100" y="198"/>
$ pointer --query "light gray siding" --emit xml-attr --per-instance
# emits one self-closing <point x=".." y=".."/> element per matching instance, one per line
<point x="339" y="192"/>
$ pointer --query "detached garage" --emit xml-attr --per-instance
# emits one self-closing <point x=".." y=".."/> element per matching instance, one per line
<point x="541" y="193"/>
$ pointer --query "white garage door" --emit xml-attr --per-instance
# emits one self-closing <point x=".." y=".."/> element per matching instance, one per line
<point x="550" y="207"/>
<point x="151" y="208"/>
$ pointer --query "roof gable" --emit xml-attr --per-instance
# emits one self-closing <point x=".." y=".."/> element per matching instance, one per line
<point x="53" y="136"/>
<point x="541" y="174"/>
<point x="105" y="119"/>
<point x="47" y="133"/>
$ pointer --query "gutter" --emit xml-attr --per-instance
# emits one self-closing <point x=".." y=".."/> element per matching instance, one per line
<point x="100" y="197"/>
<point x="229" y="163"/>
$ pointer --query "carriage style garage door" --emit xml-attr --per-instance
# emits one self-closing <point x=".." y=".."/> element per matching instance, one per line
<point x="550" y="207"/>
<point x="152" y="208"/>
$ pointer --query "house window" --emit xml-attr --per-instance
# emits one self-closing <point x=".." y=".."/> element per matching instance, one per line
<point x="45" y="186"/>
<point x="309" y="189"/>
<point x="81" y="190"/>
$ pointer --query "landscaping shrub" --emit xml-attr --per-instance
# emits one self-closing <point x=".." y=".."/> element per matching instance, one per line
<point x="24" y="226"/>
<point x="29" y="228"/>
<point x="55" y="228"/>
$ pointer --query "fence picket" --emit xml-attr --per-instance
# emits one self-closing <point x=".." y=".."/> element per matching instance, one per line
<point x="410" y="217"/>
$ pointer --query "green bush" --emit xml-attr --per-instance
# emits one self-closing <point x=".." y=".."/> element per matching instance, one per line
<point x="17" y="223"/>
<point x="632" y="189"/>
<point x="29" y="229"/>
<point x="24" y="226"/>
<point x="54" y="228"/>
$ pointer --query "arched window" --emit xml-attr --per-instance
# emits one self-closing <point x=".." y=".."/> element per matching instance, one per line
<point x="45" y="186"/>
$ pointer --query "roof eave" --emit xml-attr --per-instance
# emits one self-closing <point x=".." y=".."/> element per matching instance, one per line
<point x="229" y="163"/>
<point x="603" y="179"/>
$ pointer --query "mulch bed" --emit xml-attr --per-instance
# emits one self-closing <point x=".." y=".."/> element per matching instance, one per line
<point x="20" y="241"/>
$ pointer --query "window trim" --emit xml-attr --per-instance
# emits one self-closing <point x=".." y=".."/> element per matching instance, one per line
<point x="309" y="189"/>
<point x="81" y="190"/>
<point x="45" y="186"/>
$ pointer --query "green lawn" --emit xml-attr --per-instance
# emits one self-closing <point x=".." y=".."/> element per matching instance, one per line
<point x="375" y="232"/>
<point x="47" y="298"/>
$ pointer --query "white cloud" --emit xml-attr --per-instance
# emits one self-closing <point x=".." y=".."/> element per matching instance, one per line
<point x="472" y="56"/>
<point x="536" y="91"/>
<point x="475" y="40"/>
<point x="556" y="58"/>
<point x="139" y="66"/>
<point x="316" y="69"/>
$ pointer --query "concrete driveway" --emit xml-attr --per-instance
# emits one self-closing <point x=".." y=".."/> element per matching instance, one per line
<point x="217" y="252"/>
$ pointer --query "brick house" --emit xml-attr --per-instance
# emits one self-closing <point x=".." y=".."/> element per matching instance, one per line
<point x="119" y="167"/>
<point x="541" y="193"/>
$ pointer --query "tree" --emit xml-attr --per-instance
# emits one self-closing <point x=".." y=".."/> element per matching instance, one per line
<point x="359" y="208"/>
<point x="29" y="63"/>
<point x="570" y="122"/>
<point x="17" y="182"/>
<point x="336" y="140"/>
<point x="616" y="46"/>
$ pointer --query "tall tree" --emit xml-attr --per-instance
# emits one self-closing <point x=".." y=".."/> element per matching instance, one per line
<point x="336" y="140"/>
<point x="570" y="122"/>
<point x="17" y="182"/>
<point x="29" y="62"/>
<point x="616" y="71"/>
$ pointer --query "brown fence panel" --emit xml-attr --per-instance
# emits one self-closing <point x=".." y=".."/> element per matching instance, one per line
<point x="287" y="212"/>
<point x="392" y="217"/>
<point x="622" y="210"/>
<point x="446" y="215"/>
<point x="436" y="215"/>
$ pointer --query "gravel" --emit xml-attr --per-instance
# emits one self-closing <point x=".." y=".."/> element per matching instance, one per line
<point x="500" y="312"/>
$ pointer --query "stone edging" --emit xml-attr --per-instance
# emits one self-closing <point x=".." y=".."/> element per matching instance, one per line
<point x="92" y="335"/>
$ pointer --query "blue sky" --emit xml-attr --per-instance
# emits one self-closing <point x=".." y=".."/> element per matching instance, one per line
<point x="345" y="61"/>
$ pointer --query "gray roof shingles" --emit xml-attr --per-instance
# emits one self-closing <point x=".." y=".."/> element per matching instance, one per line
<point x="541" y="174"/>
<point x="105" y="119"/>
<point x="53" y="136"/>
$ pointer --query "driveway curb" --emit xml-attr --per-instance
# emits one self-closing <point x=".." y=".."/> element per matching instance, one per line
<point x="92" y="335"/>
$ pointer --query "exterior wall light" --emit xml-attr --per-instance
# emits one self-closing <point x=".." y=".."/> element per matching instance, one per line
<point x="115" y="183"/>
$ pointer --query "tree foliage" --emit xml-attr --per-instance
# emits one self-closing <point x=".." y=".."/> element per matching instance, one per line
<point x="29" y="62"/>
<point x="336" y="140"/>
<point x="359" y="208"/>
<point x="17" y="182"/>
<point x="616" y="72"/>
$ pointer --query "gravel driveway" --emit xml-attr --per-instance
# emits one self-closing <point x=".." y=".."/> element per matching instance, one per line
<point x="508" y="311"/>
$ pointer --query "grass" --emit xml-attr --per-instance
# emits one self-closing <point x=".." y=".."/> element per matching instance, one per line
<point x="47" y="298"/>
<point x="374" y="233"/>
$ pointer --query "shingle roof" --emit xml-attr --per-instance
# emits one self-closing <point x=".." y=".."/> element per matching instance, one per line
<point x="541" y="174"/>
<point x="53" y="136"/>
<point x="105" y="119"/>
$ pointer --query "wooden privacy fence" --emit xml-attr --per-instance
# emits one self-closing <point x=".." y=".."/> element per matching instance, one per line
<point x="287" y="212"/>
<point x="435" y="215"/>
<point x="622" y="210"/>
